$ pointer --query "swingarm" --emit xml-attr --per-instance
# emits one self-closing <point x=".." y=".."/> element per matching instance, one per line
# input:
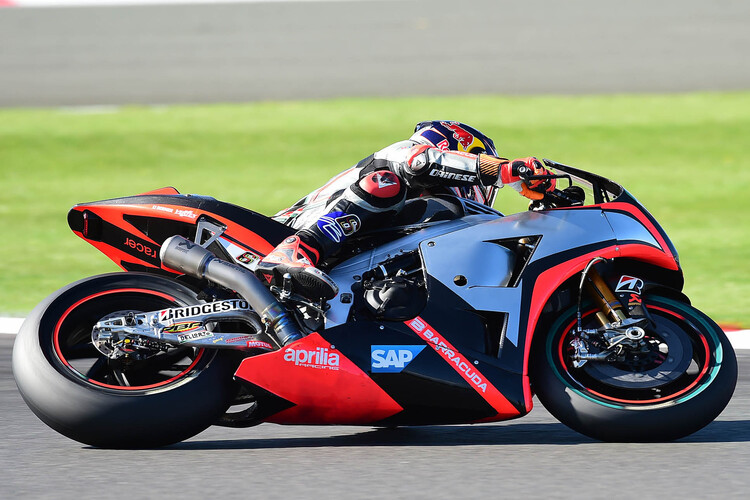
<point x="140" y="335"/>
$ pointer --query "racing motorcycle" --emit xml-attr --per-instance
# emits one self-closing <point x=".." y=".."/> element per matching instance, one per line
<point x="454" y="314"/>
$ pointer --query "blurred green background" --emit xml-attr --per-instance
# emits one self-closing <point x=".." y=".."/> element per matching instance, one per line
<point x="685" y="156"/>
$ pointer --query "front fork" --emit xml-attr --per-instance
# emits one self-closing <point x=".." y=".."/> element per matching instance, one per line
<point x="610" y="308"/>
<point x="620" y="313"/>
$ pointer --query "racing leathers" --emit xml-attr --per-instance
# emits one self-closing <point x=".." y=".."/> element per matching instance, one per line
<point x="369" y="194"/>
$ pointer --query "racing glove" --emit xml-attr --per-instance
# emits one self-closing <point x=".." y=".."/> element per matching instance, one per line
<point x="515" y="174"/>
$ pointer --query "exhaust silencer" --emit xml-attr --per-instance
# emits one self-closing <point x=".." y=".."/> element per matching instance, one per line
<point x="183" y="255"/>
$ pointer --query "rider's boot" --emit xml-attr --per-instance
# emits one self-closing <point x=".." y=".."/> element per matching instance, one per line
<point x="298" y="259"/>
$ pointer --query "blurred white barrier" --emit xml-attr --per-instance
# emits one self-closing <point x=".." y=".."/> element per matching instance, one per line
<point x="105" y="3"/>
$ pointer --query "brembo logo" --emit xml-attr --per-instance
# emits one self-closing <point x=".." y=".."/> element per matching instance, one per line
<point x="211" y="307"/>
<point x="321" y="358"/>
<point x="461" y="364"/>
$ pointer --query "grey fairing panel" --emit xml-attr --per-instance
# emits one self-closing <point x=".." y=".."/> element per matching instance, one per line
<point x="628" y="229"/>
<point x="347" y="273"/>
<point x="472" y="252"/>
<point x="465" y="247"/>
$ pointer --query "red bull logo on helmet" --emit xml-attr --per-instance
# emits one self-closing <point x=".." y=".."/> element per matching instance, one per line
<point x="463" y="137"/>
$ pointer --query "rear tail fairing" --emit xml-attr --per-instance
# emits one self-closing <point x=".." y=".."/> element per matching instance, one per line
<point x="130" y="230"/>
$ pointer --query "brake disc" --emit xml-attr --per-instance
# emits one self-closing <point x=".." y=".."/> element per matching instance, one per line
<point x="631" y="374"/>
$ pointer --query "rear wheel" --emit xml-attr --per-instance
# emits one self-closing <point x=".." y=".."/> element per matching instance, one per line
<point x="679" y="382"/>
<point x="84" y="395"/>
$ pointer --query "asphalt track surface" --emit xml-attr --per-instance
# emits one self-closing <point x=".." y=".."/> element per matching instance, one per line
<point x="288" y="50"/>
<point x="535" y="457"/>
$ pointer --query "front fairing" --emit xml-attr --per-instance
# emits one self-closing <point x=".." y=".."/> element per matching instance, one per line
<point x="630" y="220"/>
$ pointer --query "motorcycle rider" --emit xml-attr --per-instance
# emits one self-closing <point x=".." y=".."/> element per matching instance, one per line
<point x="441" y="156"/>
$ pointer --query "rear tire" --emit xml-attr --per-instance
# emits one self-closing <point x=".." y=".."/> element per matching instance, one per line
<point x="166" y="401"/>
<point x="648" y="400"/>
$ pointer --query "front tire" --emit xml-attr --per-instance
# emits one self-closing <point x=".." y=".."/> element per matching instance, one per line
<point x="74" y="389"/>
<point x="682" y="386"/>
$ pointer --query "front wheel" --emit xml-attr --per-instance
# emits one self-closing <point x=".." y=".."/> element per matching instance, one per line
<point x="84" y="395"/>
<point x="679" y="382"/>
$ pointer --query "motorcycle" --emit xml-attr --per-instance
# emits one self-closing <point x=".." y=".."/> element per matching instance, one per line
<point x="454" y="314"/>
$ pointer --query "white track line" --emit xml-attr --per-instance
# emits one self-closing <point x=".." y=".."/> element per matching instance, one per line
<point x="740" y="339"/>
<point x="10" y="326"/>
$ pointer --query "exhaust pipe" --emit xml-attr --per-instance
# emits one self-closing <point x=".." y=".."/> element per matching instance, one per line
<point x="183" y="255"/>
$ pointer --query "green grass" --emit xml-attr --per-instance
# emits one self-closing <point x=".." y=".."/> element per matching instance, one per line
<point x="684" y="156"/>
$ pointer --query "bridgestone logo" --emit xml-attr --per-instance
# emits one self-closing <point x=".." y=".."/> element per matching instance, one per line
<point x="212" y="307"/>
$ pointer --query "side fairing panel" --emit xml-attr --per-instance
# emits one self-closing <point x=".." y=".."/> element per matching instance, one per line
<point x="324" y="386"/>
<point x="391" y="374"/>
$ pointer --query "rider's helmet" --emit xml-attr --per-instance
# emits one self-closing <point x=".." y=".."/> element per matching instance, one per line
<point x="456" y="136"/>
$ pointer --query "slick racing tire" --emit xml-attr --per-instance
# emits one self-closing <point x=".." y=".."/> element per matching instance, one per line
<point x="80" y="393"/>
<point x="677" y="385"/>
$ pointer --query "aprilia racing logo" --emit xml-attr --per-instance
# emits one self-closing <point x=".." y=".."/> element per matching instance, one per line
<point x="211" y="307"/>
<point x="320" y="358"/>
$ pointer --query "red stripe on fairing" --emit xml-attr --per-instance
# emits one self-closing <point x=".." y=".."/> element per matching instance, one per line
<point x="635" y="212"/>
<point x="561" y="355"/>
<point x="109" y="292"/>
<point x="463" y="367"/>
<point x="323" y="392"/>
<point x="165" y="190"/>
<point x="549" y="280"/>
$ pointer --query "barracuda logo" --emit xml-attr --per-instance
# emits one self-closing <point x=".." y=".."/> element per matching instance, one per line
<point x="392" y="358"/>
<point x="462" y="365"/>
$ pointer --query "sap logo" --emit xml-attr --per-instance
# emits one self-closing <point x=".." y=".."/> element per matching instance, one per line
<point x="392" y="358"/>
